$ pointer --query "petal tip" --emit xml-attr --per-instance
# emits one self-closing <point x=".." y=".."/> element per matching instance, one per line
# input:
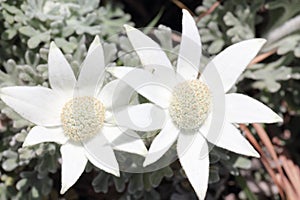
<point x="201" y="195"/>
<point x="186" y="16"/>
<point x="278" y="119"/>
<point x="253" y="153"/>
<point x="256" y="154"/>
<point x="96" y="40"/>
<point x="275" y="119"/>
<point x="116" y="173"/>
<point x="128" y="27"/>
<point x="144" y="152"/>
<point x="146" y="162"/>
<point x="110" y="69"/>
<point x="53" y="45"/>
<point x="260" y="41"/>
<point x="185" y="12"/>
<point x="25" y="144"/>
<point x="63" y="189"/>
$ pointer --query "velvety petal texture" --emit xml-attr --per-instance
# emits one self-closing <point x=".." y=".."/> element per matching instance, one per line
<point x="193" y="155"/>
<point x="73" y="164"/>
<point x="244" y="109"/>
<point x="232" y="61"/>
<point x="39" y="134"/>
<point x="230" y="138"/>
<point x="38" y="105"/>
<point x="61" y="75"/>
<point x="124" y="140"/>
<point x="144" y="83"/>
<point x="92" y="71"/>
<point x="147" y="49"/>
<point x="100" y="153"/>
<point x="190" y="52"/>
<point x="162" y="142"/>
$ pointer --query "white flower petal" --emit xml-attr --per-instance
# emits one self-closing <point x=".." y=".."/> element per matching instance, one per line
<point x="100" y="153"/>
<point x="193" y="155"/>
<point x="244" y="109"/>
<point x="144" y="83"/>
<point x="96" y="42"/>
<point x="232" y="61"/>
<point x="231" y="139"/>
<point x="161" y="143"/>
<point x="188" y="62"/>
<point x="149" y="52"/>
<point x="115" y="94"/>
<point x="39" y="105"/>
<point x="61" y="75"/>
<point x="124" y="140"/>
<point x="39" y="134"/>
<point x="142" y="117"/>
<point x="73" y="164"/>
<point x="91" y="74"/>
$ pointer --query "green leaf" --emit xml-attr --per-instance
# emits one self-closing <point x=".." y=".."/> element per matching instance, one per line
<point x="28" y="31"/>
<point x="33" y="42"/>
<point x="10" y="164"/>
<point x="213" y="175"/>
<point x="242" y="162"/>
<point x="9" y="34"/>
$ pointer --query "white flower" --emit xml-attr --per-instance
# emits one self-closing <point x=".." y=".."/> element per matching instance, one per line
<point x="77" y="114"/>
<point x="188" y="101"/>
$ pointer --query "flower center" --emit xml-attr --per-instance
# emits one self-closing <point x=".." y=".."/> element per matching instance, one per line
<point x="82" y="117"/>
<point x="190" y="104"/>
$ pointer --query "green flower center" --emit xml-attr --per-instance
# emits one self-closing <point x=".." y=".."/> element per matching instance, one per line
<point x="190" y="104"/>
<point x="82" y="117"/>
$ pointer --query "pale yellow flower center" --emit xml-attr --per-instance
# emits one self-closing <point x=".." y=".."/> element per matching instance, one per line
<point x="190" y="104"/>
<point x="82" y="117"/>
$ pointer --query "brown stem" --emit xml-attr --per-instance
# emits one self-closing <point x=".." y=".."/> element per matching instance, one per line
<point x="263" y="158"/>
<point x="262" y="56"/>
<point x="182" y="6"/>
<point x="210" y="10"/>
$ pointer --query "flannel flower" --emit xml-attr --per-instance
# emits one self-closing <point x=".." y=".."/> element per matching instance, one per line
<point x="77" y="114"/>
<point x="187" y="101"/>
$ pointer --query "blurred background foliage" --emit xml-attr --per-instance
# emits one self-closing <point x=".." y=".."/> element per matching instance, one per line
<point x="28" y="26"/>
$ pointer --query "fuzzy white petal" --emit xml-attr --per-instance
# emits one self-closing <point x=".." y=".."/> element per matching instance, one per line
<point x="73" y="164"/>
<point x="115" y="94"/>
<point x="39" y="105"/>
<point x="244" y="109"/>
<point x="144" y="83"/>
<point x="142" y="117"/>
<point x="188" y="62"/>
<point x="96" y="42"/>
<point x="100" y="153"/>
<point x="39" y="134"/>
<point x="124" y="140"/>
<point x="231" y="139"/>
<point x="149" y="52"/>
<point x="91" y="73"/>
<point x="232" y="61"/>
<point x="61" y="75"/>
<point x="193" y="155"/>
<point x="162" y="143"/>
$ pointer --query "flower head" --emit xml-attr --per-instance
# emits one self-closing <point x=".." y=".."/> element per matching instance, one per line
<point x="76" y="114"/>
<point x="191" y="103"/>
